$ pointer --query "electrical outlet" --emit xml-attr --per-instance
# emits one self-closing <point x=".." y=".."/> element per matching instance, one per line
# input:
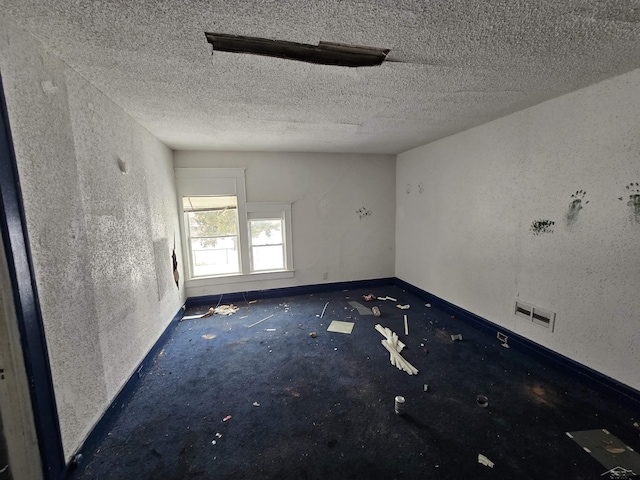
<point x="325" y="275"/>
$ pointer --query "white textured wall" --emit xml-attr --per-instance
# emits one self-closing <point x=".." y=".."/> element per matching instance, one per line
<point x="467" y="238"/>
<point x="325" y="190"/>
<point x="95" y="234"/>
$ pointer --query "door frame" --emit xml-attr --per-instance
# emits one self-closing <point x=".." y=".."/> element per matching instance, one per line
<point x="27" y="306"/>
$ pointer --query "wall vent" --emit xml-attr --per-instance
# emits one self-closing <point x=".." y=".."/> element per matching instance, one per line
<point x="537" y="315"/>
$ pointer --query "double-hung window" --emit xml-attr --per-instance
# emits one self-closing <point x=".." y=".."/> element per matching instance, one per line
<point x="224" y="236"/>
<point x="211" y="224"/>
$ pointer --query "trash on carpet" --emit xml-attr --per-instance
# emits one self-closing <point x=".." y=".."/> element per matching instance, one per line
<point x="225" y="309"/>
<point x="362" y="310"/>
<point x="406" y="326"/>
<point x="228" y="417"/>
<point x="376" y="311"/>
<point x="485" y="461"/>
<point x="313" y="334"/>
<point x="427" y="305"/>
<point x="456" y="337"/>
<point x="503" y="338"/>
<point x="340" y="327"/>
<point x="394" y="347"/>
<point x="324" y="309"/>
<point x="388" y="298"/>
<point x="256" y="404"/>
<point x="482" y="400"/>
<point x="260" y="321"/>
<point x="425" y="388"/>
<point x="403" y="307"/>
<point x="218" y="435"/>
<point x="398" y="404"/>
<point x="252" y="301"/>
<point x="208" y="336"/>
<point x="369" y="298"/>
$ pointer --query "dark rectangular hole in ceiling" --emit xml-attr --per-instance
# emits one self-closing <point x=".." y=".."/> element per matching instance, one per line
<point x="325" y="53"/>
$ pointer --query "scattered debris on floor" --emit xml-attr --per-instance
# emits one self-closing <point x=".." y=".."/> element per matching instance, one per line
<point x="208" y="336"/>
<point x="213" y="442"/>
<point x="503" y="338"/>
<point x="4" y="469"/>
<point x="340" y="327"/>
<point x="260" y="321"/>
<point x="395" y="346"/>
<point x="387" y="298"/>
<point x="369" y="298"/>
<point x="406" y="326"/>
<point x="228" y="417"/>
<point x="269" y="329"/>
<point x="362" y="310"/>
<point x="256" y="404"/>
<point x="482" y="400"/>
<point x="218" y="435"/>
<point x="637" y="425"/>
<point x="425" y="388"/>
<point x="246" y="316"/>
<point x="456" y="337"/>
<point x="225" y="309"/>
<point x="252" y="301"/>
<point x="399" y="402"/>
<point x="376" y="311"/>
<point x="609" y="450"/>
<point x="313" y="334"/>
<point x="427" y="305"/>
<point x="324" y="309"/>
<point x="485" y="461"/>
<point x="403" y="307"/>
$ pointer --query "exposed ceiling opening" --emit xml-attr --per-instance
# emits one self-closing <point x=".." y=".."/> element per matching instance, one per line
<point x="325" y="53"/>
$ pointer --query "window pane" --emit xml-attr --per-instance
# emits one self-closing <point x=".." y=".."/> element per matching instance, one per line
<point x="215" y="256"/>
<point x="270" y="257"/>
<point x="213" y="223"/>
<point x="266" y="232"/>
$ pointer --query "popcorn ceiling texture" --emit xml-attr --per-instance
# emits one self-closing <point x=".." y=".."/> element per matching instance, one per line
<point x="467" y="237"/>
<point x="453" y="65"/>
<point x="91" y="228"/>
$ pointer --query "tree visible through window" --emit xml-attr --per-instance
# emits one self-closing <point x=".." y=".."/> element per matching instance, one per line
<point x="267" y="245"/>
<point x="213" y="234"/>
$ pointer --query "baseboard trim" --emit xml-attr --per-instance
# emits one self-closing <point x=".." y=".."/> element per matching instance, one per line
<point x="607" y="385"/>
<point x="105" y="423"/>
<point x="287" y="291"/>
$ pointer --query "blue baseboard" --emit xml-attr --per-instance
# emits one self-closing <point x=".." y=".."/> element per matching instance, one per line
<point x="607" y="385"/>
<point x="288" y="291"/>
<point x="103" y="425"/>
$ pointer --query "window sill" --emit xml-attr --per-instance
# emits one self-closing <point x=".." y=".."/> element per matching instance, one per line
<point x="238" y="278"/>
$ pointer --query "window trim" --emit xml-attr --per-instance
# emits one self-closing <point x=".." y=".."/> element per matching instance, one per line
<point x="230" y="181"/>
<point x="272" y="210"/>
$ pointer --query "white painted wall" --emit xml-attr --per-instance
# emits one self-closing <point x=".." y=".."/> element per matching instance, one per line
<point x="325" y="191"/>
<point x="99" y="239"/>
<point x="467" y="238"/>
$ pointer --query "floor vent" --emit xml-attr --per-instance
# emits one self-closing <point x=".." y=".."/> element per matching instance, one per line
<point x="537" y="315"/>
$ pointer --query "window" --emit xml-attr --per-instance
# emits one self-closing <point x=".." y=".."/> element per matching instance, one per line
<point x="212" y="230"/>
<point x="225" y="236"/>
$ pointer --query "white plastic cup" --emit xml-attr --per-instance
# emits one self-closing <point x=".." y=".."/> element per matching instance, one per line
<point x="399" y="405"/>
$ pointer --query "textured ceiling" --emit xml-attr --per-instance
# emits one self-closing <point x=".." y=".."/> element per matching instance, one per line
<point x="453" y="65"/>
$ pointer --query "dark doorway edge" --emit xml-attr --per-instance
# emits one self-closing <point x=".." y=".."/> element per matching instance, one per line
<point x="27" y="306"/>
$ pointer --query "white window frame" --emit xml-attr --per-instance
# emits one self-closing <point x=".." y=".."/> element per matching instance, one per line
<point x="231" y="181"/>
<point x="270" y="211"/>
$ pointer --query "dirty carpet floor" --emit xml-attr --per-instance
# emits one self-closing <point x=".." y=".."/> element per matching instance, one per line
<point x="326" y="404"/>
